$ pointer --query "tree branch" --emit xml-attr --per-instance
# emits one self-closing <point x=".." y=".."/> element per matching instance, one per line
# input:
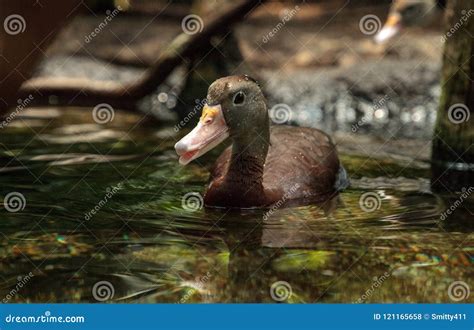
<point x="80" y="92"/>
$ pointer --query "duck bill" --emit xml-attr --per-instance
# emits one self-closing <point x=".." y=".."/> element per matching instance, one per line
<point x="391" y="28"/>
<point x="209" y="132"/>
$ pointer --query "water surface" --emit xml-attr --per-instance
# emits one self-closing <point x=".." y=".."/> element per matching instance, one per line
<point x="110" y="204"/>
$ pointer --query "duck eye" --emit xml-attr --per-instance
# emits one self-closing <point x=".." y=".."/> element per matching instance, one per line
<point x="239" y="98"/>
<point x="410" y="9"/>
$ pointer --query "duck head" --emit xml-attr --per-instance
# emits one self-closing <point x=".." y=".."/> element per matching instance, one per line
<point x="405" y="13"/>
<point x="235" y="108"/>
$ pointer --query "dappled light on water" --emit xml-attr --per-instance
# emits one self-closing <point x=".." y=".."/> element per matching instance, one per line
<point x="109" y="207"/>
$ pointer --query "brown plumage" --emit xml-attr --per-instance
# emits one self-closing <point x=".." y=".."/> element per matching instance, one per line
<point x="264" y="166"/>
<point x="302" y="164"/>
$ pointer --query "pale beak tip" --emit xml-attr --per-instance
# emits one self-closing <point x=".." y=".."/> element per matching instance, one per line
<point x="180" y="147"/>
<point x="387" y="33"/>
<point x="378" y="39"/>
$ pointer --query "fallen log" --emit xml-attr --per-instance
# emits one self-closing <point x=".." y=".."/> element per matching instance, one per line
<point x="184" y="49"/>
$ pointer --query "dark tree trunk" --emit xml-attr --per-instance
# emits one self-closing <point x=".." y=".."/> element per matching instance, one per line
<point x="453" y="152"/>
<point x="27" y="30"/>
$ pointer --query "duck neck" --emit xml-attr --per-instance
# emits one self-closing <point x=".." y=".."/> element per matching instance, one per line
<point x="248" y="160"/>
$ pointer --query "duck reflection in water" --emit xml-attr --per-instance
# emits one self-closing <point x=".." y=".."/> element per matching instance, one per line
<point x="255" y="248"/>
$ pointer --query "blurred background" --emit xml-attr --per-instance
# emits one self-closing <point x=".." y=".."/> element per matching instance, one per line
<point x="338" y="74"/>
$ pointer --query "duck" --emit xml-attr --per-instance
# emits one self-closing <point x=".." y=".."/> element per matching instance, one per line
<point x="406" y="13"/>
<point x="265" y="165"/>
